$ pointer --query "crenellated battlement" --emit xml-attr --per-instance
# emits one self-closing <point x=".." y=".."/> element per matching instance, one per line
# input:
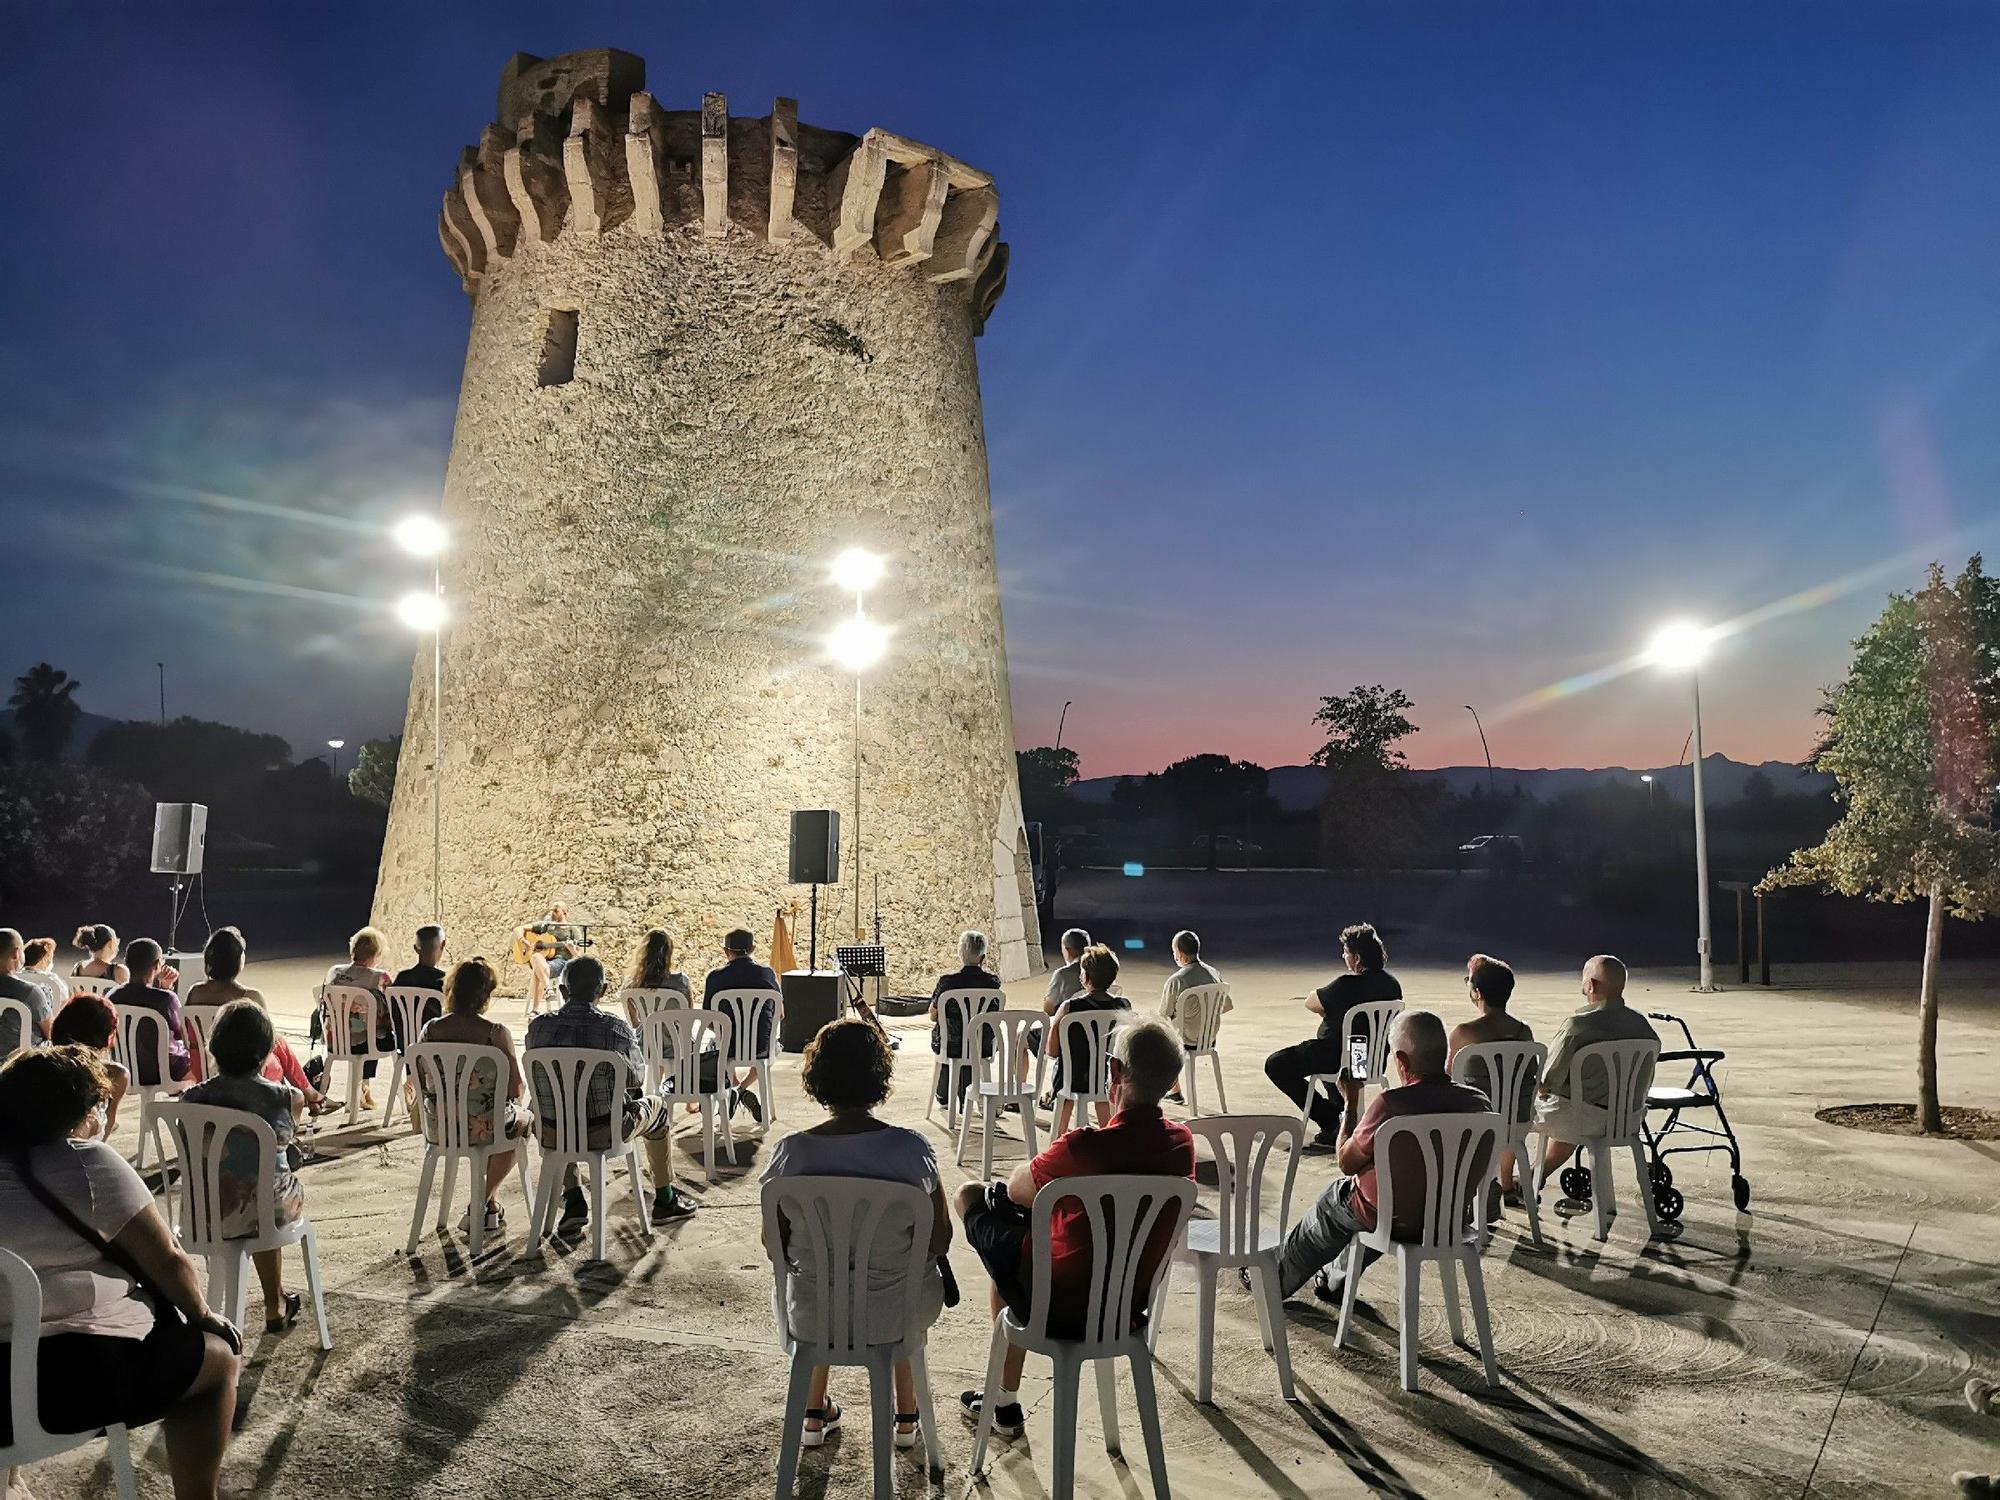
<point x="579" y="148"/>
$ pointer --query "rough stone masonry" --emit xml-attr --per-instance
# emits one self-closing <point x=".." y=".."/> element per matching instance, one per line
<point x="707" y="354"/>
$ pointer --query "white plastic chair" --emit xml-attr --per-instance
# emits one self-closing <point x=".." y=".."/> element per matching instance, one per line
<point x="1372" y="1018"/>
<point x="1238" y="1236"/>
<point x="841" y="1231"/>
<point x="23" y="1015"/>
<point x="1086" y="1036"/>
<point x="338" y="1005"/>
<point x="141" y="1031"/>
<point x="444" y="1074"/>
<point x="996" y="1081"/>
<point x="197" y="1021"/>
<point x="561" y="1076"/>
<point x="201" y="1135"/>
<point x="407" y="1004"/>
<point x="955" y="1072"/>
<point x="1199" y="1014"/>
<point x="1458" y="1152"/>
<point x="80" y="984"/>
<point x="1627" y="1070"/>
<point x="640" y="1003"/>
<point x="677" y="1040"/>
<point x="1121" y="1212"/>
<point x="1507" y="1072"/>
<point x="746" y="1010"/>
<point x="23" y="1292"/>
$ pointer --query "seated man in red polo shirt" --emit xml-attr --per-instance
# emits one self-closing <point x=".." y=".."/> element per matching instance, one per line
<point x="1347" y="1207"/>
<point x="1145" y="1063"/>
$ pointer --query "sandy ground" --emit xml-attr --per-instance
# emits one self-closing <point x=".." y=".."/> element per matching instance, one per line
<point x="1815" y="1345"/>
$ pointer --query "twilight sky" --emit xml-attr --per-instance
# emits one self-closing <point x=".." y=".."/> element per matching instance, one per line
<point x="1453" y="347"/>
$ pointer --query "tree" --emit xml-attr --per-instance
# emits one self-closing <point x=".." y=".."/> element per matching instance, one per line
<point x="192" y="760"/>
<point x="1047" y="774"/>
<point x="374" y="775"/>
<point x="1757" y="787"/>
<point x="1363" y="727"/>
<point x="69" y="832"/>
<point x="1214" y="794"/>
<point x="45" y="711"/>
<point x="1913" y="742"/>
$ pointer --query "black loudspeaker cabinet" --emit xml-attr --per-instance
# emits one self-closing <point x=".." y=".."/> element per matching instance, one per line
<point x="815" y="847"/>
<point x="811" y="1000"/>
<point x="180" y="829"/>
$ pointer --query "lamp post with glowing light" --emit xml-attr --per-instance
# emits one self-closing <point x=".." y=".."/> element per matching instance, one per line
<point x="422" y="536"/>
<point x="857" y="644"/>
<point x="333" y="782"/>
<point x="1652" y="797"/>
<point x="1682" y="647"/>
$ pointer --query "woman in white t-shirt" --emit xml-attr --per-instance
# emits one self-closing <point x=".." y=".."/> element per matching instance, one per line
<point x="83" y="1219"/>
<point x="847" y="1069"/>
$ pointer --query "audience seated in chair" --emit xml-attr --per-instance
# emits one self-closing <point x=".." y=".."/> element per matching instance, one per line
<point x="109" y="1352"/>
<point x="652" y="965"/>
<point x="1100" y="971"/>
<point x="1139" y="1139"/>
<point x="98" y="942"/>
<point x="14" y="987"/>
<point x="1605" y="1017"/>
<point x="427" y="973"/>
<point x="239" y="1044"/>
<point x="1367" y="980"/>
<point x="495" y="1106"/>
<point x="363" y="971"/>
<point x="38" y="967"/>
<point x="1347" y="1207"/>
<point x="1489" y="985"/>
<point x="142" y="956"/>
<point x="739" y="971"/>
<point x="1191" y="974"/>
<point x="1065" y="982"/>
<point x="578" y="1022"/>
<point x="947" y="1031"/>
<point x="91" y="1021"/>
<point x="222" y="960"/>
<point x="848" y="1071"/>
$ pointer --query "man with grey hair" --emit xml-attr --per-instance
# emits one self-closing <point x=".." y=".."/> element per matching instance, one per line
<point x="1141" y="1140"/>
<point x="1569" y="1107"/>
<point x="1191" y="974"/>
<point x="14" y="987"/>
<point x="947" y="1030"/>
<point x="1065" y="983"/>
<point x="1347" y="1208"/>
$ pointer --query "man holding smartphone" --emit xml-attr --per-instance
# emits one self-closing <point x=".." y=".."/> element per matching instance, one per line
<point x="1367" y="979"/>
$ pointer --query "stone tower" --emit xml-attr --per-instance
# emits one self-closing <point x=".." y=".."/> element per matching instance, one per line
<point x="707" y="354"/>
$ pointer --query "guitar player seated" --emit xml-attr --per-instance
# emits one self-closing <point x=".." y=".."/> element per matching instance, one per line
<point x="546" y="947"/>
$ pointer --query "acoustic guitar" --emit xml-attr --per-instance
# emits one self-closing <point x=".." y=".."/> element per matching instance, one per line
<point x="543" y="943"/>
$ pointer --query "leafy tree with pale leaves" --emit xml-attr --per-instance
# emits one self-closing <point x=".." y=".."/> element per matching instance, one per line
<point x="374" y="775"/>
<point x="45" y="711"/>
<point x="1913" y="741"/>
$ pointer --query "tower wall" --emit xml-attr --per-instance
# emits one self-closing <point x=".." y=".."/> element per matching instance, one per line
<point x="773" y="360"/>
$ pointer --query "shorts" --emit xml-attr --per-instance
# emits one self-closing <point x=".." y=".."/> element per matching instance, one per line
<point x="998" y="1236"/>
<point x="89" y="1380"/>
<point x="1570" y="1120"/>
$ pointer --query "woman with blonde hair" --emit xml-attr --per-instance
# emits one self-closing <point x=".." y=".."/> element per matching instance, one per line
<point x="362" y="971"/>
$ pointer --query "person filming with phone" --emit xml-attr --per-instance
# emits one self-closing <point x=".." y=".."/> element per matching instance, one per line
<point x="1331" y="1051"/>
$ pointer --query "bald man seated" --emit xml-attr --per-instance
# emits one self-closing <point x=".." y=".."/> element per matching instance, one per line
<point x="1567" y="1108"/>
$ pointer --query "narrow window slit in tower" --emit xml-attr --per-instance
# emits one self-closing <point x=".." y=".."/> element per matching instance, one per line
<point x="558" y="348"/>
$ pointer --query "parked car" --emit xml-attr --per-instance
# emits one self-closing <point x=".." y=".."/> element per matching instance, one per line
<point x="1492" y="851"/>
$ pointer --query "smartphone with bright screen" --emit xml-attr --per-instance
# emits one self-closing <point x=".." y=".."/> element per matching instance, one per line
<point x="1357" y="1057"/>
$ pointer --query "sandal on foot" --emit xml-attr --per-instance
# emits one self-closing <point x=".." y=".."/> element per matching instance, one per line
<point x="906" y="1439"/>
<point x="293" y="1303"/>
<point x="828" y="1418"/>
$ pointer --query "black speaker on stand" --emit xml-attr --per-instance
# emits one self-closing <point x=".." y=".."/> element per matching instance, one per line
<point x="180" y="837"/>
<point x="815" y="860"/>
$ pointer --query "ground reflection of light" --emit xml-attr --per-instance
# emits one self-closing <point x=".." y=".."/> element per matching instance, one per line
<point x="1133" y="867"/>
<point x="1133" y="944"/>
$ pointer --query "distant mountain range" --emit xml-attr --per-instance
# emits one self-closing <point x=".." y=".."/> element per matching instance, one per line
<point x="88" y="727"/>
<point x="1298" y="788"/>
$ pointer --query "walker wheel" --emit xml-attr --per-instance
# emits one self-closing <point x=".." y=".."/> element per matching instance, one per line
<point x="1739" y="1185"/>
<point x="1668" y="1204"/>
<point x="1576" y="1183"/>
<point x="1663" y="1175"/>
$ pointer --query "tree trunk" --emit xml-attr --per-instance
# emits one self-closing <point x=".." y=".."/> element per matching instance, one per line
<point x="1930" y="1119"/>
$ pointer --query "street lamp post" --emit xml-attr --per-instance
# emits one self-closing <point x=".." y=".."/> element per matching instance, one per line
<point x="1482" y="747"/>
<point x="333" y="783"/>
<point x="857" y="644"/>
<point x="422" y="536"/>
<point x="1652" y="797"/>
<point x="1062" y="720"/>
<point x="1682" y="647"/>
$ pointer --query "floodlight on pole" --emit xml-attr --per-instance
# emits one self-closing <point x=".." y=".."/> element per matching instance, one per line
<point x="857" y="644"/>
<point x="421" y="612"/>
<point x="1682" y="647"/>
<point x="421" y="536"/>
<point x="857" y="570"/>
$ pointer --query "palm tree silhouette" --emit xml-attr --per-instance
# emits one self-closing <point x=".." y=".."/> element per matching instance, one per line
<point x="45" y="710"/>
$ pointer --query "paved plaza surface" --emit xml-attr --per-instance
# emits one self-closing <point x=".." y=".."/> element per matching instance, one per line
<point x="1814" y="1345"/>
